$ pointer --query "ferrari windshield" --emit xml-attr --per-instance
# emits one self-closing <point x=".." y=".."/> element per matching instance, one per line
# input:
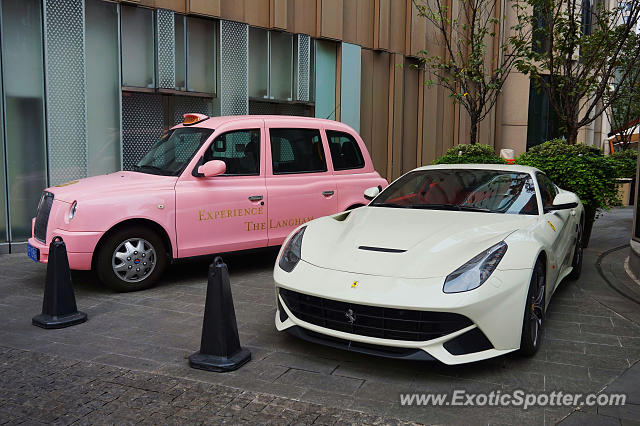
<point x="489" y="191"/>
<point x="171" y="153"/>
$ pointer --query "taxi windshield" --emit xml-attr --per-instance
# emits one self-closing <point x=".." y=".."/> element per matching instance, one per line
<point x="486" y="191"/>
<point x="171" y="153"/>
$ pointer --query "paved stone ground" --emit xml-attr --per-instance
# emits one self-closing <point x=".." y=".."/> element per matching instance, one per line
<point x="148" y="335"/>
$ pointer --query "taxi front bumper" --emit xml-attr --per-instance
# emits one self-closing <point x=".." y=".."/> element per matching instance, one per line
<point x="80" y="246"/>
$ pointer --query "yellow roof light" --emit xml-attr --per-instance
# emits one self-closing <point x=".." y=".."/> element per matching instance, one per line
<point x="192" y="118"/>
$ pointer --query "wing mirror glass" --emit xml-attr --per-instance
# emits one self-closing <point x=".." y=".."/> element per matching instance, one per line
<point x="212" y="168"/>
<point x="371" y="193"/>
<point x="564" y="201"/>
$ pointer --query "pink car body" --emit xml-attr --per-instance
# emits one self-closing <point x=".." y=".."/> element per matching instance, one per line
<point x="204" y="215"/>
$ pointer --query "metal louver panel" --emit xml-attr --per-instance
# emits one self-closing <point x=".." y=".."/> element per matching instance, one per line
<point x="234" y="68"/>
<point x="166" y="49"/>
<point x="303" y="66"/>
<point x="64" y="22"/>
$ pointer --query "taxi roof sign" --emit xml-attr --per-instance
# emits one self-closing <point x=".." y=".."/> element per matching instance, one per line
<point x="193" y="118"/>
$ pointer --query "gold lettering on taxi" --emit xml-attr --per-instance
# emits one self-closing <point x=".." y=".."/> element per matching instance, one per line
<point x="204" y="215"/>
<point x="283" y="223"/>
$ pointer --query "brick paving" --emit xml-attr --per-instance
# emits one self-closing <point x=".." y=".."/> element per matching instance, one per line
<point x="591" y="338"/>
<point x="37" y="388"/>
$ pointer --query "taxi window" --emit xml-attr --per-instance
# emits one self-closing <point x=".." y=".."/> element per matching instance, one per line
<point x="345" y="152"/>
<point x="239" y="149"/>
<point x="297" y="151"/>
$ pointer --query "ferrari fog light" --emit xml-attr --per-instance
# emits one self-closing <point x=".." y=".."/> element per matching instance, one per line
<point x="292" y="252"/>
<point x="476" y="271"/>
<point x="72" y="211"/>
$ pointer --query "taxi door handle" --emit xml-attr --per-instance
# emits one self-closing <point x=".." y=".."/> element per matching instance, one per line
<point x="255" y="198"/>
<point x="327" y="193"/>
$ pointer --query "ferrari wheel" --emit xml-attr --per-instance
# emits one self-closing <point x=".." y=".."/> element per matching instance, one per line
<point x="577" y="255"/>
<point x="534" y="311"/>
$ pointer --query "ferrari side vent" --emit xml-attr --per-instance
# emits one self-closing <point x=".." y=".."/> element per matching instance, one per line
<point x="467" y="343"/>
<point x="340" y="217"/>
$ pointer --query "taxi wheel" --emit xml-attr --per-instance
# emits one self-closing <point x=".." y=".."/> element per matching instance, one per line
<point x="131" y="259"/>
<point x="534" y="311"/>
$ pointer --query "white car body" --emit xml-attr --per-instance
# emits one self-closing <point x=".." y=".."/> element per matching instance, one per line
<point x="419" y="249"/>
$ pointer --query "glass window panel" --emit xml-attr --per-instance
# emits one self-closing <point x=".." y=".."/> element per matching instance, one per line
<point x="258" y="63"/>
<point x="325" y="79"/>
<point x="103" y="87"/>
<point x="281" y="72"/>
<point x="201" y="64"/>
<point x="24" y="97"/>
<point x="181" y="61"/>
<point x="297" y="151"/>
<point x="137" y="47"/>
<point x="3" y="183"/>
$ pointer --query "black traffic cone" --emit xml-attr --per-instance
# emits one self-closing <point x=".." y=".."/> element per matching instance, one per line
<point x="220" y="345"/>
<point x="59" y="308"/>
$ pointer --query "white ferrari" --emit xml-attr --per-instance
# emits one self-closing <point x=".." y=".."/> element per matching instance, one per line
<point x="451" y="262"/>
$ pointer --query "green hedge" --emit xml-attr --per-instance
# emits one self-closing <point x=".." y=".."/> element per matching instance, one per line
<point x="477" y="154"/>
<point x="625" y="163"/>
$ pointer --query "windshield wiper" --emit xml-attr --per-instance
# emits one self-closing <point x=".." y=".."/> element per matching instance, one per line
<point x="159" y="170"/>
<point x="388" y="205"/>
<point x="475" y="209"/>
<point x="436" y="206"/>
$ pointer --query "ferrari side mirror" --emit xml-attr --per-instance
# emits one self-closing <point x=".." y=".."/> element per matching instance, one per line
<point x="371" y="193"/>
<point x="564" y="201"/>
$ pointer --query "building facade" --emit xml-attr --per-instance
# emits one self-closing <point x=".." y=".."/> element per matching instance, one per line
<point x="88" y="85"/>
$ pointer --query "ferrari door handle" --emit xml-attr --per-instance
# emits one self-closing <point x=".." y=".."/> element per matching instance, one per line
<point x="255" y="198"/>
<point x="327" y="193"/>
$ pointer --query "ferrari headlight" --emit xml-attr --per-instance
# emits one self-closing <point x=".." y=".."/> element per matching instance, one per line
<point x="476" y="271"/>
<point x="72" y="211"/>
<point x="292" y="252"/>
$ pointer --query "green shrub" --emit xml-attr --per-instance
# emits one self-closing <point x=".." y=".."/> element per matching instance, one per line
<point x="477" y="153"/>
<point x="625" y="163"/>
<point x="580" y="169"/>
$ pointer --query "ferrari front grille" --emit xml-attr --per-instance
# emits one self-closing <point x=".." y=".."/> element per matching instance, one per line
<point x="42" y="217"/>
<point x="373" y="321"/>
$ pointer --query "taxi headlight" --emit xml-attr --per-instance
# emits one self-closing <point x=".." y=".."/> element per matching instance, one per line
<point x="292" y="252"/>
<point x="476" y="271"/>
<point x="72" y="211"/>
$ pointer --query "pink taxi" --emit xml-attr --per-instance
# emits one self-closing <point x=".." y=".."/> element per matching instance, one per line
<point x="208" y="185"/>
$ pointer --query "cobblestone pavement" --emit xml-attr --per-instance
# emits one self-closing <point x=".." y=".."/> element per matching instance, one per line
<point x="591" y="338"/>
<point x="40" y="388"/>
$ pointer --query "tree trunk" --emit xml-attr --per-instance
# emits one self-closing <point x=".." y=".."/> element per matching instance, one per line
<point x="572" y="135"/>
<point x="473" y="132"/>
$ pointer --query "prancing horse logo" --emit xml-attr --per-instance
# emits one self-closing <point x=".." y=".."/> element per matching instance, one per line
<point x="351" y="316"/>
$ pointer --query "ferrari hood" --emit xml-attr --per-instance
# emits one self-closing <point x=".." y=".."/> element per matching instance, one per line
<point x="406" y="243"/>
<point x="112" y="184"/>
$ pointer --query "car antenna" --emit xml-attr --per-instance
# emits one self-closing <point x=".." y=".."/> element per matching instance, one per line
<point x="333" y="112"/>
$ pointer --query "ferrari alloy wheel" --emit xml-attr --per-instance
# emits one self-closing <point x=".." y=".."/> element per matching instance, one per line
<point x="577" y="255"/>
<point x="534" y="311"/>
<point x="131" y="259"/>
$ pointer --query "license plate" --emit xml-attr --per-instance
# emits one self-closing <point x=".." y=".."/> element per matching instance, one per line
<point x="33" y="253"/>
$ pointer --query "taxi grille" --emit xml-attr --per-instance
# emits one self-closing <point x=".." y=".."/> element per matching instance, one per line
<point x="373" y="321"/>
<point x="42" y="217"/>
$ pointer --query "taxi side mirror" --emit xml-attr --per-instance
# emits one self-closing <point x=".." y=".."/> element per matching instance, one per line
<point x="564" y="201"/>
<point x="371" y="193"/>
<point x="212" y="168"/>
